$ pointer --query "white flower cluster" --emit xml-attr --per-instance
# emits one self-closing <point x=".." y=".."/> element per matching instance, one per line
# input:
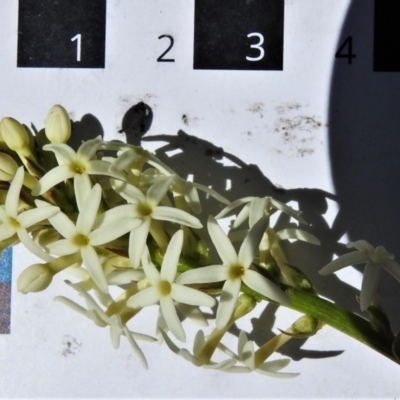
<point x="128" y="221"/>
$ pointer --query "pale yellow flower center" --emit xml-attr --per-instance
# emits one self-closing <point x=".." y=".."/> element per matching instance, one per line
<point x="80" y="240"/>
<point x="78" y="168"/>
<point x="144" y="209"/>
<point x="164" y="287"/>
<point x="236" y="271"/>
<point x="13" y="223"/>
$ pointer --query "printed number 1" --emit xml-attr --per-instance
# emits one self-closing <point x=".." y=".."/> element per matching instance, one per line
<point x="257" y="46"/>
<point x="78" y="39"/>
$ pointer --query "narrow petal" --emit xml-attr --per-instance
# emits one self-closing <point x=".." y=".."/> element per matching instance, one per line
<point x="135" y="347"/>
<point x="62" y="247"/>
<point x="127" y="191"/>
<point x="211" y="192"/>
<point x="248" y="355"/>
<point x="209" y="274"/>
<point x="110" y="232"/>
<point x="156" y="192"/>
<point x="149" y="269"/>
<point x="53" y="178"/>
<point x="191" y="296"/>
<point x="171" y="318"/>
<point x="198" y="343"/>
<point x="221" y="242"/>
<point x="65" y="153"/>
<point x="175" y="215"/>
<point x="89" y="148"/>
<point x="87" y="215"/>
<point x="63" y="225"/>
<point x="241" y="343"/>
<point x="242" y="216"/>
<point x="171" y="258"/>
<point x="146" y="297"/>
<point x="12" y="199"/>
<point x="116" y="213"/>
<point x="353" y="258"/>
<point x="369" y="284"/>
<point x="193" y="313"/>
<point x="124" y="277"/>
<point x="192" y="198"/>
<point x="257" y="210"/>
<point x="99" y="167"/>
<point x="93" y="266"/>
<point x="262" y="285"/>
<point x="298" y="234"/>
<point x="6" y="231"/>
<point x="229" y="295"/>
<point x="82" y="188"/>
<point x="32" y="217"/>
<point x="393" y="268"/>
<point x="252" y="241"/>
<point x="233" y="205"/>
<point x="32" y="246"/>
<point x="296" y="214"/>
<point x="276" y="365"/>
<point x="137" y="242"/>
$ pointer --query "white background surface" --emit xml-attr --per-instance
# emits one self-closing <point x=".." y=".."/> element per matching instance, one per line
<point x="222" y="107"/>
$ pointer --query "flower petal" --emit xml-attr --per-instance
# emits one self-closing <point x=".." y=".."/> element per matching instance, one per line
<point x="87" y="215"/>
<point x="53" y="178"/>
<point x="298" y="234"/>
<point x="129" y="192"/>
<point x="257" y="210"/>
<point x="393" y="268"/>
<point x="62" y="247"/>
<point x="149" y="269"/>
<point x="191" y="296"/>
<point x="89" y="148"/>
<point x="82" y="188"/>
<point x="137" y="242"/>
<point x="233" y="205"/>
<point x="62" y="224"/>
<point x="221" y="242"/>
<point x="99" y="167"/>
<point x="6" y="231"/>
<point x="251" y="243"/>
<point x="242" y="216"/>
<point x="112" y="231"/>
<point x="262" y="285"/>
<point x="31" y="217"/>
<point x="369" y="284"/>
<point x="209" y="274"/>
<point x="135" y="347"/>
<point x="229" y="295"/>
<point x="171" y="257"/>
<point x="146" y="297"/>
<point x="93" y="266"/>
<point x="355" y="257"/>
<point x="12" y="199"/>
<point x="171" y="318"/>
<point x="175" y="215"/>
<point x="65" y="153"/>
<point x="116" y="213"/>
<point x="32" y="246"/>
<point x="156" y="192"/>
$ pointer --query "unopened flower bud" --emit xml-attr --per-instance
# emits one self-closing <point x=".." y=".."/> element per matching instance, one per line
<point x="15" y="135"/>
<point x="35" y="278"/>
<point x="58" y="125"/>
<point x="8" y="167"/>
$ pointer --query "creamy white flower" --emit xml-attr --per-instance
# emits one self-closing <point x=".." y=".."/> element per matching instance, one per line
<point x="246" y="356"/>
<point x="146" y="208"/>
<point x="78" y="165"/>
<point x="82" y="238"/>
<point x="256" y="207"/>
<point x="199" y="340"/>
<point x="164" y="290"/>
<point x="375" y="259"/>
<point x="95" y="313"/>
<point x="235" y="269"/>
<point x="14" y="223"/>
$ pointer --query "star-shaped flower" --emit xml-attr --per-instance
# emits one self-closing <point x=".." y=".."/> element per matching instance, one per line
<point x="82" y="238"/>
<point x="146" y="207"/>
<point x="14" y="223"/>
<point x="95" y="313"/>
<point x="247" y="356"/>
<point x="375" y="259"/>
<point x="234" y="270"/>
<point x="164" y="290"/>
<point x="78" y="165"/>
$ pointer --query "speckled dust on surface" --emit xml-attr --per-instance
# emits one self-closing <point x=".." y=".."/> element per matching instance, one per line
<point x="5" y="297"/>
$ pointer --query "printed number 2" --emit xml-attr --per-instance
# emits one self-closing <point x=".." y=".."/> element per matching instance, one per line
<point x="171" y="43"/>
<point x="257" y="46"/>
<point x="78" y="39"/>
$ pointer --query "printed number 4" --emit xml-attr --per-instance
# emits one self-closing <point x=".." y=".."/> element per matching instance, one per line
<point x="257" y="46"/>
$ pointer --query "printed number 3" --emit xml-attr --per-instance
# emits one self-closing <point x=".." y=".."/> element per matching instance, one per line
<point x="257" y="46"/>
